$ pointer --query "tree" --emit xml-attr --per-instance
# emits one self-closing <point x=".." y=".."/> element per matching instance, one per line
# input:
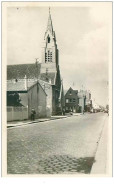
<point x="13" y="99"/>
<point x="107" y="107"/>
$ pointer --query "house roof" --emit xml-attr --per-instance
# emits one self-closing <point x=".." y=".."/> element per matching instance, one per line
<point x="19" y="71"/>
<point x="74" y="92"/>
<point x="20" y="85"/>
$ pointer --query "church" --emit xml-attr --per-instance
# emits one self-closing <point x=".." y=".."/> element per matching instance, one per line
<point x="47" y="73"/>
<point x="50" y="67"/>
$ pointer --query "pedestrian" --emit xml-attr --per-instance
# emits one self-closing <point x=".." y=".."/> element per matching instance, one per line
<point x="33" y="114"/>
<point x="63" y="111"/>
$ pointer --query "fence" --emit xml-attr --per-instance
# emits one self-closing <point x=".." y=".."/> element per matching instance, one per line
<point x="17" y="113"/>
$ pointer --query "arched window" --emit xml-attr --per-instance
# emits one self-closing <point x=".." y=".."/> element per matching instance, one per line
<point x="48" y="39"/>
<point x="45" y="57"/>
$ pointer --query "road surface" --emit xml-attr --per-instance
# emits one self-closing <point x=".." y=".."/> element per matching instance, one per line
<point x="60" y="146"/>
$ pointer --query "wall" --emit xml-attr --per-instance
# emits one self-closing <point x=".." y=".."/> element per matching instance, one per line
<point x="37" y="101"/>
<point x="48" y="89"/>
<point x="24" y="99"/>
<point x="17" y="113"/>
<point x="42" y="102"/>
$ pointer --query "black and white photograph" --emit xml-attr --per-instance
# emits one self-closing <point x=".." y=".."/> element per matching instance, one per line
<point x="57" y="63"/>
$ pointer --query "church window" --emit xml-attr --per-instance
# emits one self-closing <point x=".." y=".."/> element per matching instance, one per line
<point x="48" y="39"/>
<point x="45" y="57"/>
<point x="49" y="56"/>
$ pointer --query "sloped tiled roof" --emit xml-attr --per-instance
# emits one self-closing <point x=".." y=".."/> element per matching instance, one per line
<point x="19" y="71"/>
<point x="19" y="85"/>
<point x="76" y="91"/>
<point x="51" y="76"/>
<point x="73" y="92"/>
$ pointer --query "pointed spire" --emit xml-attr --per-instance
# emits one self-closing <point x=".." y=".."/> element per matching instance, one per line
<point x="49" y="25"/>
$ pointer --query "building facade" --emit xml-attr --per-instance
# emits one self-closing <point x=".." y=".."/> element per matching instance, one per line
<point x="82" y="101"/>
<point x="30" y="95"/>
<point x="71" y="101"/>
<point x="85" y="101"/>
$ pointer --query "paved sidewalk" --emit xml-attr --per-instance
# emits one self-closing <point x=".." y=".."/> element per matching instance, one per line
<point x="100" y="164"/>
<point x="26" y="122"/>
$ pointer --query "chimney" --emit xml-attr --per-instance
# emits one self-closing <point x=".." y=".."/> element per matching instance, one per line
<point x="25" y="82"/>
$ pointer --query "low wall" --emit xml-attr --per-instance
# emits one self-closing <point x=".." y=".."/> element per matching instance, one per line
<point x="17" y="113"/>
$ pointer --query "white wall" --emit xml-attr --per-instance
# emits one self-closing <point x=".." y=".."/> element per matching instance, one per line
<point x="17" y="113"/>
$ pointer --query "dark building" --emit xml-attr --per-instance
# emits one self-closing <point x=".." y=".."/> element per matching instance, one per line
<point x="71" y="100"/>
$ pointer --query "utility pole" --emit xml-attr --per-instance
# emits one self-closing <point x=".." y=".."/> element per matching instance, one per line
<point x="37" y="67"/>
<point x="37" y="83"/>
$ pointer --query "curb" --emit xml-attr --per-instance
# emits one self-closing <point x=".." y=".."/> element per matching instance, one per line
<point x="12" y="126"/>
<point x="100" y="164"/>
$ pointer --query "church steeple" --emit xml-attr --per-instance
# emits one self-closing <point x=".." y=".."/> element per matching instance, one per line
<point x="49" y="25"/>
<point x="49" y="48"/>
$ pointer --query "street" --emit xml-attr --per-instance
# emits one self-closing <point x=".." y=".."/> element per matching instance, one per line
<point x="62" y="146"/>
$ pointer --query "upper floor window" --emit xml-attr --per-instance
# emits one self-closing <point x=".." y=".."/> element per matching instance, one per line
<point x="45" y="57"/>
<point x="66" y="100"/>
<point x="74" y="100"/>
<point x="70" y="100"/>
<point x="48" y="56"/>
<point x="70" y="92"/>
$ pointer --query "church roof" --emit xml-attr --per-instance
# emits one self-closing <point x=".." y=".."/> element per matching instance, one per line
<point x="12" y="85"/>
<point x="50" y="26"/>
<point x="30" y="70"/>
<point x="50" y="77"/>
<point x="19" y="71"/>
<point x="20" y="85"/>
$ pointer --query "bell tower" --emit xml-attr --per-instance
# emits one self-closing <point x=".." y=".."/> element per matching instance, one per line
<point x="49" y="49"/>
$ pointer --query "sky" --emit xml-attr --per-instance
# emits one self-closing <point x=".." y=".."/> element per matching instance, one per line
<point x="83" y="38"/>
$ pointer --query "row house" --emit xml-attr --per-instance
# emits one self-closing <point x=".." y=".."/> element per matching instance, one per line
<point x="71" y="101"/>
<point x="78" y="101"/>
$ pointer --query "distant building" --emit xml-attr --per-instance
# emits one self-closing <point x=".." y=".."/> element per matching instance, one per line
<point x="71" y="100"/>
<point x="82" y="101"/>
<point x="85" y="101"/>
<point x="31" y="95"/>
<point x="88" y="103"/>
<point x="96" y="107"/>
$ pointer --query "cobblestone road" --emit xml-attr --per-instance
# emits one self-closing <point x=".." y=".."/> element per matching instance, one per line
<point x="54" y="147"/>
